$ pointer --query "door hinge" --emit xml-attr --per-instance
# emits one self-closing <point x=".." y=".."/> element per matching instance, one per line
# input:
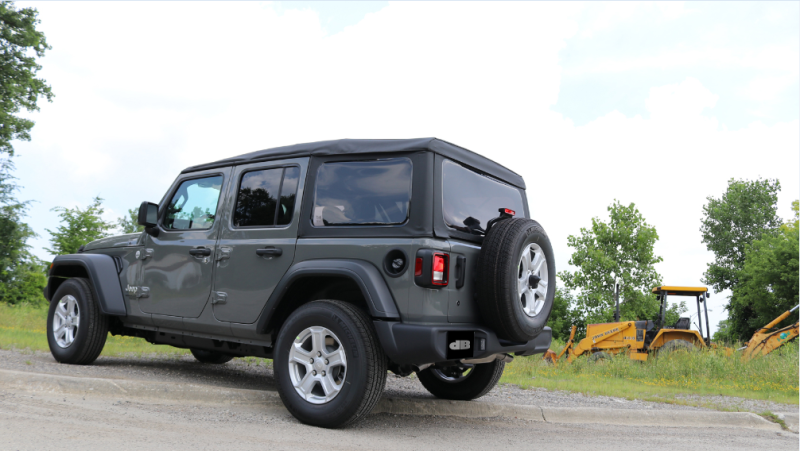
<point x="144" y="254"/>
<point x="224" y="253"/>
<point x="219" y="297"/>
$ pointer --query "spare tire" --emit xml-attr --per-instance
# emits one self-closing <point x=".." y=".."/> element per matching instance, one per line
<point x="516" y="279"/>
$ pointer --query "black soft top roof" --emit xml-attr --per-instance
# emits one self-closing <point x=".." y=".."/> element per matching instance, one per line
<point x="361" y="146"/>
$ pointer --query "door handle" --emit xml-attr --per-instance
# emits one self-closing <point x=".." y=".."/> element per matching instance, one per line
<point x="200" y="252"/>
<point x="269" y="251"/>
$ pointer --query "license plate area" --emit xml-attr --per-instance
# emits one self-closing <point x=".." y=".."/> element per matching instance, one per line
<point x="460" y="344"/>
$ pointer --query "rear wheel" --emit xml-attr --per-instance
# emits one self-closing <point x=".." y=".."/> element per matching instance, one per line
<point x="76" y="329"/>
<point x="676" y="345"/>
<point x="215" y="358"/>
<point x="462" y="382"/>
<point x="329" y="366"/>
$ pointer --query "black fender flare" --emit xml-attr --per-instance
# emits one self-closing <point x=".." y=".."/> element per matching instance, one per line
<point x="100" y="269"/>
<point x="373" y="287"/>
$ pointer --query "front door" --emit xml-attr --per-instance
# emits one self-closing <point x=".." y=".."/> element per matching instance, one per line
<point x="180" y="270"/>
<point x="258" y="239"/>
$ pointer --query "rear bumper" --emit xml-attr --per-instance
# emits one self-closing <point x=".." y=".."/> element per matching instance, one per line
<point x="411" y="344"/>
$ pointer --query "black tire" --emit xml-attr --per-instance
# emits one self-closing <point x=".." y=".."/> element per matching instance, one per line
<point x="499" y="266"/>
<point x="676" y="345"/>
<point x="481" y="379"/>
<point x="366" y="367"/>
<point x="91" y="332"/>
<point x="212" y="357"/>
<point x="599" y="357"/>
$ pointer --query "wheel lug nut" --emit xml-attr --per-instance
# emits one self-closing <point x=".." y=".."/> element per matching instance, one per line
<point x="323" y="373"/>
<point x="312" y="360"/>
<point x="319" y="354"/>
<point x="314" y="373"/>
<point x="326" y="361"/>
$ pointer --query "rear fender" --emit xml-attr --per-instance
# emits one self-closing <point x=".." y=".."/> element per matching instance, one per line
<point x="666" y="335"/>
<point x="369" y="280"/>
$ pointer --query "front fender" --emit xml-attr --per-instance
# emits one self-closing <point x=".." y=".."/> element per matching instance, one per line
<point x="373" y="287"/>
<point x="100" y="269"/>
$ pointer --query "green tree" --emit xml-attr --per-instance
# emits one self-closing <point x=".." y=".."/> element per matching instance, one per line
<point x="723" y="333"/>
<point x="130" y="222"/>
<point x="78" y="227"/>
<point x="563" y="316"/>
<point x="746" y="211"/>
<point x="21" y="274"/>
<point x="20" y="45"/>
<point x="768" y="282"/>
<point x="619" y="251"/>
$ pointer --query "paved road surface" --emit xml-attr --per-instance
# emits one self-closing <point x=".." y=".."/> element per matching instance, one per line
<point x="258" y="376"/>
<point x="49" y="421"/>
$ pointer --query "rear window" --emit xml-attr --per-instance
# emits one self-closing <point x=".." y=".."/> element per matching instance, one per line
<point x="470" y="199"/>
<point x="376" y="192"/>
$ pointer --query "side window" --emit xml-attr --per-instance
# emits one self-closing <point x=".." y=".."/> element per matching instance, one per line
<point x="376" y="192"/>
<point x="194" y="205"/>
<point x="257" y="198"/>
<point x="263" y="201"/>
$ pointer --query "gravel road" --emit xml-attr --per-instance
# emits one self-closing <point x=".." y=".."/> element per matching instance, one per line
<point x="92" y="422"/>
<point x="257" y="375"/>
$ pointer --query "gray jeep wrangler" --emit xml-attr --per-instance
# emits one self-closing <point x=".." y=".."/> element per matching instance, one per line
<point x="340" y="260"/>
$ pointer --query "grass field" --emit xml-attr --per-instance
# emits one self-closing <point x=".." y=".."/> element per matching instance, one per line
<point x="666" y="378"/>
<point x="773" y="377"/>
<point x="23" y="327"/>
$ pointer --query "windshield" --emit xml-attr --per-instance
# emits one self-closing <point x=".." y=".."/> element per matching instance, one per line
<point x="470" y="200"/>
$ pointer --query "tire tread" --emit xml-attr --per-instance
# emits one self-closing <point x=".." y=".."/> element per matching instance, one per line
<point x="376" y="377"/>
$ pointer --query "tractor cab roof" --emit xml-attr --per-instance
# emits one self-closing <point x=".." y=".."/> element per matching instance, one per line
<point x="680" y="291"/>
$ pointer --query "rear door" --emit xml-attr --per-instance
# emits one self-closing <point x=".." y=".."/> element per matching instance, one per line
<point x="258" y="237"/>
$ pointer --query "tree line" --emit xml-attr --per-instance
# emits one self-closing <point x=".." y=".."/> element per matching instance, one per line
<point x="23" y="275"/>
<point x="755" y="257"/>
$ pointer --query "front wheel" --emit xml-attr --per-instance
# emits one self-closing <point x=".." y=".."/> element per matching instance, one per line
<point x="329" y="366"/>
<point x="76" y="329"/>
<point x="599" y="357"/>
<point x="462" y="382"/>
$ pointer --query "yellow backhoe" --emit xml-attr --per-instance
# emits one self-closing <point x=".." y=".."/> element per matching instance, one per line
<point x="766" y="340"/>
<point x="639" y="337"/>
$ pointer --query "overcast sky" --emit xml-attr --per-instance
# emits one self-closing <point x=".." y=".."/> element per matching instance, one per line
<point x="653" y="103"/>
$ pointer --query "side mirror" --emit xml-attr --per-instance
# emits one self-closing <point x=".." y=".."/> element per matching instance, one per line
<point x="148" y="214"/>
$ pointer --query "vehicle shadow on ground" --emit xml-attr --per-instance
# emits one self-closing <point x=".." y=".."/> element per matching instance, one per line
<point x="234" y="374"/>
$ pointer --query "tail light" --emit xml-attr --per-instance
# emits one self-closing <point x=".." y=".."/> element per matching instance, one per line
<point x="431" y="268"/>
<point x="439" y="269"/>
